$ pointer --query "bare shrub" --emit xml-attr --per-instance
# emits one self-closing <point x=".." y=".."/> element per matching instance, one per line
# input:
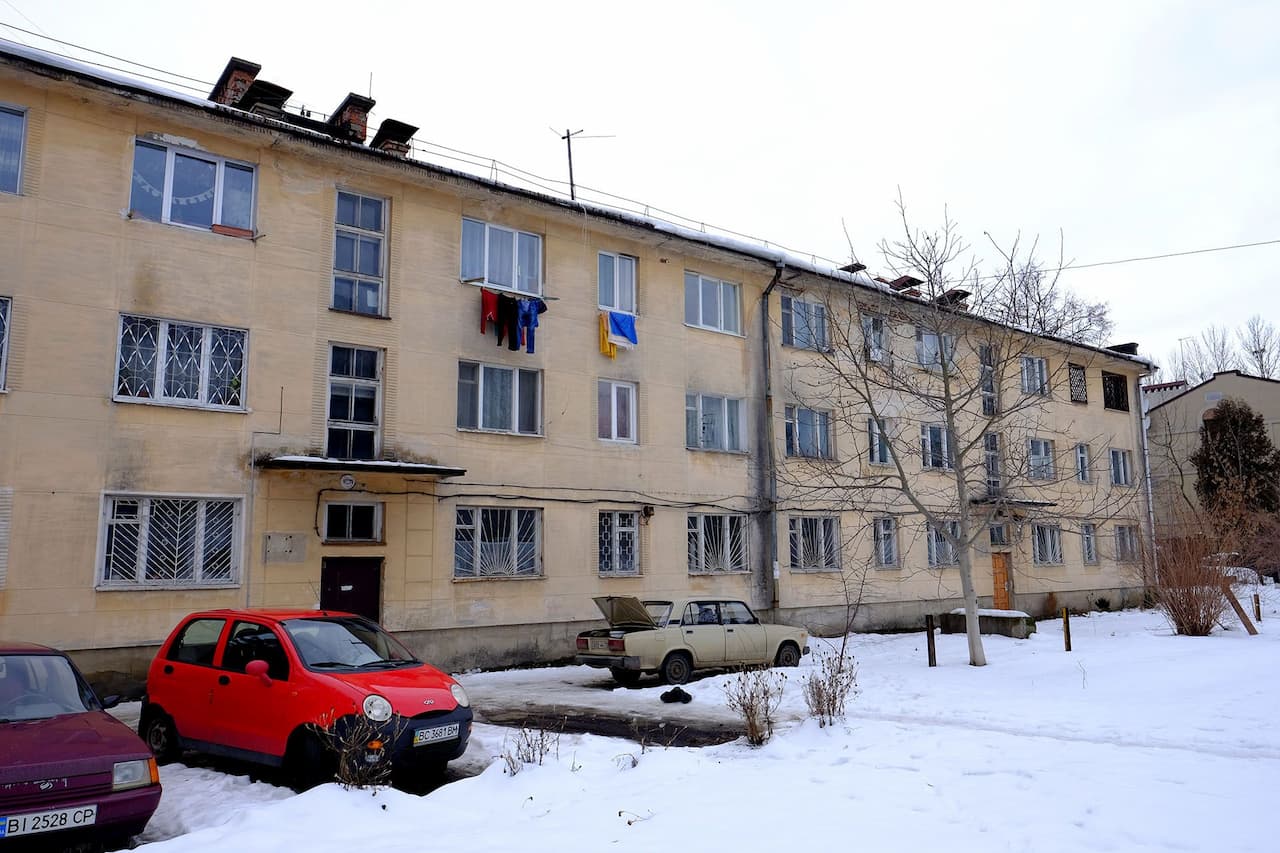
<point x="529" y="746"/>
<point x="827" y="690"/>
<point x="1190" y="589"/>
<point x="361" y="750"/>
<point x="755" y="694"/>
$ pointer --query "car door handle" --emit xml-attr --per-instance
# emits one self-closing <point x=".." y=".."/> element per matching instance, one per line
<point x="224" y="680"/>
<point x="728" y="630"/>
<point x="168" y="669"/>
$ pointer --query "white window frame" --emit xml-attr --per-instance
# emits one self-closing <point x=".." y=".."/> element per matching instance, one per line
<point x="1121" y="467"/>
<point x="987" y="385"/>
<point x="1035" y="375"/>
<point x="998" y="535"/>
<point x="884" y="542"/>
<point x="696" y="405"/>
<point x="620" y="522"/>
<point x="357" y="233"/>
<point x="219" y="181"/>
<point x="6" y="323"/>
<point x="1040" y="461"/>
<point x="1083" y="474"/>
<point x="379" y="532"/>
<point x="927" y="459"/>
<point x="478" y="571"/>
<point x="1089" y="543"/>
<point x="811" y="317"/>
<point x="1126" y="543"/>
<point x="879" y="446"/>
<point x="822" y="429"/>
<point x="722" y="287"/>
<point x="626" y="306"/>
<point x="932" y="347"/>
<point x="518" y="375"/>
<point x="993" y="462"/>
<point x="143" y="539"/>
<point x="875" y="339"/>
<point x="734" y="559"/>
<point x="21" y="113"/>
<point x="484" y="277"/>
<point x="824" y="531"/>
<point x="1046" y="544"/>
<point x="942" y="553"/>
<point x="360" y="381"/>
<point x="613" y="388"/>
<point x="157" y="379"/>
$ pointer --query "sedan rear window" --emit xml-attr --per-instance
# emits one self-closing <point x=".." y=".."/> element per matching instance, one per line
<point x="36" y="687"/>
<point x="344" y="643"/>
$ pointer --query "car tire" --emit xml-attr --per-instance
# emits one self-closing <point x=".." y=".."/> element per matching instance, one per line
<point x="625" y="677"/>
<point x="788" y="655"/>
<point x="677" y="668"/>
<point x="161" y="736"/>
<point x="307" y="762"/>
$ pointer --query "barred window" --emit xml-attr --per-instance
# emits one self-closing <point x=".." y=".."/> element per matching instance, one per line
<point x="815" y="544"/>
<point x="491" y="542"/>
<point x="717" y="543"/>
<point x="1079" y="386"/>
<point x="1046" y="544"/>
<point x="170" y="541"/>
<point x="942" y="551"/>
<point x="180" y="364"/>
<point x="1115" y="391"/>
<point x="619" y="544"/>
<point x="1089" y="543"/>
<point x="4" y="337"/>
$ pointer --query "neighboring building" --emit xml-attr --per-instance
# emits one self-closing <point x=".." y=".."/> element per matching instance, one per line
<point x="246" y="359"/>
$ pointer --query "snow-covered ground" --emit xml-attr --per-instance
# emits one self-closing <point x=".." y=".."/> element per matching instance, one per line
<point x="1137" y="740"/>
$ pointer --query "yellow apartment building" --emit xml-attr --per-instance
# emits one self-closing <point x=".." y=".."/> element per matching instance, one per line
<point x="249" y="359"/>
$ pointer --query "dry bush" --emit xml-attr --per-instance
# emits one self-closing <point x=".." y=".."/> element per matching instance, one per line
<point x="1190" y="586"/>
<point x="360" y="749"/>
<point x="827" y="690"/>
<point x="529" y="746"/>
<point x="755" y="694"/>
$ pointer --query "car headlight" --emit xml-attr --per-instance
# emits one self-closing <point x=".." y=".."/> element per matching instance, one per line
<point x="459" y="695"/>
<point x="133" y="774"/>
<point x="377" y="708"/>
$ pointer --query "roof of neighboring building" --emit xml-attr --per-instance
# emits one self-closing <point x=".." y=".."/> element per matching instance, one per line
<point x="1235" y="373"/>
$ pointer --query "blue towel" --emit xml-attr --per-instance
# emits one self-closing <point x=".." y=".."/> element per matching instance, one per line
<point x="622" y="329"/>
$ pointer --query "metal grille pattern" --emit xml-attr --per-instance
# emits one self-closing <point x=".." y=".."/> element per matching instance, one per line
<point x="182" y="362"/>
<point x="717" y="543"/>
<point x="4" y="335"/>
<point x="814" y="544"/>
<point x="139" y="347"/>
<point x="618" y="543"/>
<point x="1079" y="387"/>
<point x="496" y="542"/>
<point x="170" y="541"/>
<point x="226" y="367"/>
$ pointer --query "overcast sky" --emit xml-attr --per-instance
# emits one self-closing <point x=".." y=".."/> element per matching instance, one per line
<point x="1133" y="128"/>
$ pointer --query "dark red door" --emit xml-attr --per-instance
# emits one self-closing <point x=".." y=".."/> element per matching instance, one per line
<point x="353" y="584"/>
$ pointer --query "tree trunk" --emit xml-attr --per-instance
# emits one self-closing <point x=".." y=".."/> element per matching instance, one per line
<point x="977" y="657"/>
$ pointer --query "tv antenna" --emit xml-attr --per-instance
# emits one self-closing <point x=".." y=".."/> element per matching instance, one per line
<point x="568" y="136"/>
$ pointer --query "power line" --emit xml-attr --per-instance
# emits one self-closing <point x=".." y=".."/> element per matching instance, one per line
<point x="1070" y="267"/>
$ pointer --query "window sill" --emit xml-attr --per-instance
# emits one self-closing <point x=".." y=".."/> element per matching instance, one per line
<point x="232" y="231"/>
<point x="803" y="458"/>
<point x="158" y="587"/>
<point x="1062" y="565"/>
<point x="716" y="450"/>
<point x="800" y="570"/>
<point x="340" y="543"/>
<point x="477" y="431"/>
<point x="718" y="574"/>
<point x="1113" y="409"/>
<point x="1080" y="402"/>
<point x="618" y="311"/>
<point x="887" y="568"/>
<point x="618" y="576"/>
<point x="714" y="329"/>
<point x="499" y="578"/>
<point x="176" y="404"/>
<point x="618" y="442"/>
<point x="222" y="230"/>
<point x="359" y="313"/>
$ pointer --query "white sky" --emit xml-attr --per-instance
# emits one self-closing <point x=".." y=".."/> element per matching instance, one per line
<point x="1135" y="128"/>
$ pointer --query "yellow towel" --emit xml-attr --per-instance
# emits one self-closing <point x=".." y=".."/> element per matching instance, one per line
<point x="606" y="348"/>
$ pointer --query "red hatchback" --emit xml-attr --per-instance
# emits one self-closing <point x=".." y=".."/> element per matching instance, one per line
<point x="68" y="770"/>
<point x="281" y="687"/>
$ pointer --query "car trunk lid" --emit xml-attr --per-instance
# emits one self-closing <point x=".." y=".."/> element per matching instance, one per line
<point x="624" y="611"/>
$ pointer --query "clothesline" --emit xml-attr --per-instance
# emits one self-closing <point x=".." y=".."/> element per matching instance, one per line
<point x="514" y="294"/>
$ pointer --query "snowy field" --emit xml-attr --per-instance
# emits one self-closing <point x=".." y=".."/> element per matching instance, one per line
<point x="1137" y="740"/>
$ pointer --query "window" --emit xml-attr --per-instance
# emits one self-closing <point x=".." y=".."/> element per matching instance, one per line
<point x="1121" y="467"/>
<point x="878" y="442"/>
<point x="991" y="462"/>
<point x="170" y="541"/>
<point x="187" y="187"/>
<point x="1115" y="391"/>
<point x="1079" y="386"/>
<point x="1082" y="463"/>
<point x="815" y="544"/>
<point x="1126" y="543"/>
<point x="931" y="347"/>
<point x="616" y="411"/>
<point x="501" y="258"/>
<point x="180" y="364"/>
<point x="987" y="380"/>
<point x="617" y="282"/>
<point x="355" y="391"/>
<point x="1040" y="459"/>
<point x="619" y="545"/>
<point x="249" y="642"/>
<point x="935" y="446"/>
<point x="490" y="543"/>
<point x="359" y="256"/>
<point x="875" y="339"/>
<point x="999" y="535"/>
<point x="737" y="613"/>
<point x="717" y="543"/>
<point x="1046" y="544"/>
<point x="1035" y="376"/>
<point x="804" y="324"/>
<point x="197" y="642"/>
<point x="885" y="542"/>
<point x="12" y="131"/>
<point x="713" y="423"/>
<point x="353" y="522"/>
<point x="1089" y="543"/>
<point x="942" y="551"/>
<point x="501" y="399"/>
<point x="5" y="304"/>
<point x="711" y="304"/>
<point x="808" y="433"/>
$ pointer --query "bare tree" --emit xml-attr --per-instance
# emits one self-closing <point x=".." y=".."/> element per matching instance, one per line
<point x="1259" y="347"/>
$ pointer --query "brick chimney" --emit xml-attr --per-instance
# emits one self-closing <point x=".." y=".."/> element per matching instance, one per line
<point x="234" y="80"/>
<point x="393" y="137"/>
<point x="351" y="119"/>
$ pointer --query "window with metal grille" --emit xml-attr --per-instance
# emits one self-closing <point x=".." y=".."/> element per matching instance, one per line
<point x="13" y="127"/>
<point x="1035" y="376"/>
<point x="808" y="433"/>
<point x="5" y="305"/>
<point x="1126" y="543"/>
<point x="991" y="463"/>
<point x="987" y="380"/>
<point x="1046" y="544"/>
<point x="1040" y="459"/>
<point x="942" y="550"/>
<point x="713" y="423"/>
<point x="878" y="443"/>
<point x="710" y="303"/>
<point x="815" y="543"/>
<point x="359" y="255"/>
<point x="619" y="543"/>
<point x="170" y="541"/>
<point x="717" y="543"/>
<point x="616" y="411"/>
<point x="1115" y="391"/>
<point x="187" y="187"/>
<point x="355" y="401"/>
<point x="885" y="542"/>
<point x="499" y="399"/>
<point x="1079" y="385"/>
<point x="353" y="522"/>
<point x="1089" y="543"/>
<point x="804" y="324"/>
<point x="501" y="258"/>
<point x="180" y="364"/>
<point x="493" y="543"/>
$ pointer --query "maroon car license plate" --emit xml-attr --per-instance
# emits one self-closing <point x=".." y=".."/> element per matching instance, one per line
<point x="29" y="824"/>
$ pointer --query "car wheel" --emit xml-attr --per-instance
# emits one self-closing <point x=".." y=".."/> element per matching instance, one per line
<point x="625" y="677"/>
<point x="677" y="668"/>
<point x="308" y="762"/>
<point x="161" y="736"/>
<point x="788" y="655"/>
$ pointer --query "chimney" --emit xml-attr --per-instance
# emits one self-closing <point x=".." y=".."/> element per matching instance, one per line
<point x="351" y="119"/>
<point x="264" y="99"/>
<point x="393" y="137"/>
<point x="902" y="282"/>
<point x="1124" y="349"/>
<point x="234" y="80"/>
<point x="956" y="297"/>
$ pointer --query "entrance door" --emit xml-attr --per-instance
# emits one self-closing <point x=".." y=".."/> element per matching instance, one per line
<point x="353" y="584"/>
<point x="1002" y="584"/>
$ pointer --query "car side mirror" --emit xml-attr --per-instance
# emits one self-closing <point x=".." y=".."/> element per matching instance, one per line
<point x="109" y="702"/>
<point x="258" y="669"/>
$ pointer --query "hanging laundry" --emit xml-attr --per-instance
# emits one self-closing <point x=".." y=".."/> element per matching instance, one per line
<point x="606" y="348"/>
<point x="622" y="329"/>
<point x="528" y="312"/>
<point x="508" y="324"/>
<point x="488" y="308"/>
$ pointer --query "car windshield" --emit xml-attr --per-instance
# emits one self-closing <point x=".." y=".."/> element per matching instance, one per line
<point x="659" y="611"/>
<point x="36" y="687"/>
<point x="346" y="643"/>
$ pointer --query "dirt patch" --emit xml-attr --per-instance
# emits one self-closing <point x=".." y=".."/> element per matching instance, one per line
<point x="639" y="729"/>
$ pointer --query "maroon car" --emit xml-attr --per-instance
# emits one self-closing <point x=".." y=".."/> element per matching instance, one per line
<point x="70" y="771"/>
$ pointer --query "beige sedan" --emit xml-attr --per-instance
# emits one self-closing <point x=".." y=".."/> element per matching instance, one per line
<point x="673" y="638"/>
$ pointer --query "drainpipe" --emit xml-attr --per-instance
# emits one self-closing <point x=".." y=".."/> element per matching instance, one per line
<point x="770" y="449"/>
<point x="1144" y="424"/>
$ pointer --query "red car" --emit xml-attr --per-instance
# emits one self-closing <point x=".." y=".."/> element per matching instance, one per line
<point x="69" y="771"/>
<point x="281" y="687"/>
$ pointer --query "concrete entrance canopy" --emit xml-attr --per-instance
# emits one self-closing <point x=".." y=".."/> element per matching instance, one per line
<point x="324" y="463"/>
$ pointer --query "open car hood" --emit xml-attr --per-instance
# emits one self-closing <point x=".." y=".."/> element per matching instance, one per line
<point x="624" y="611"/>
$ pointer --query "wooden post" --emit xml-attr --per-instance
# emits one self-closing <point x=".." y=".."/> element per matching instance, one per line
<point x="1066" y="629"/>
<point x="1235" y="605"/>
<point x="933" y="651"/>
<point x="1257" y="608"/>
